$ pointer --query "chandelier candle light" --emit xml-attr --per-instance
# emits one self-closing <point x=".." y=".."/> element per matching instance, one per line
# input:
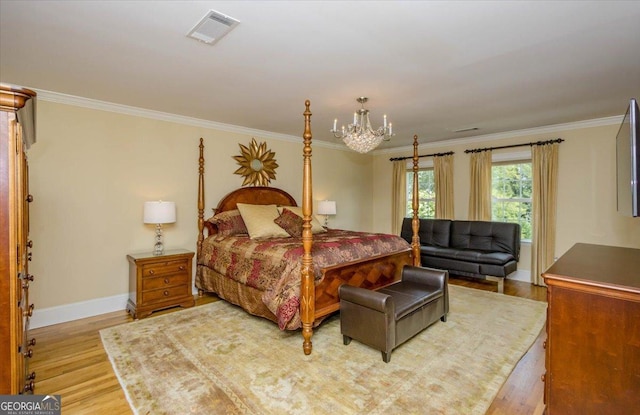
<point x="360" y="136"/>
<point x="159" y="212"/>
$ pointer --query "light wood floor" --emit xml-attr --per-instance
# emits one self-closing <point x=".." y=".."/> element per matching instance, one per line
<point x="69" y="360"/>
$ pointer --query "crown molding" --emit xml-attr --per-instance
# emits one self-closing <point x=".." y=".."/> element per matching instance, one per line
<point x="82" y="102"/>
<point x="547" y="129"/>
<point x="77" y="101"/>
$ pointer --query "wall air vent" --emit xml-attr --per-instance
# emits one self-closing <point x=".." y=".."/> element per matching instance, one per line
<point x="213" y="27"/>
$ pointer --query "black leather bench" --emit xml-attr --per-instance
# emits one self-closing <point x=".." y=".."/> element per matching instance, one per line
<point x="386" y="318"/>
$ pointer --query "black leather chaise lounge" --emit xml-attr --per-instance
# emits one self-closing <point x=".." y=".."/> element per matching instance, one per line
<point x="479" y="249"/>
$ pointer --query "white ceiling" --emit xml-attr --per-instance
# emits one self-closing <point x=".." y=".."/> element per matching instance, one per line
<point x="432" y="67"/>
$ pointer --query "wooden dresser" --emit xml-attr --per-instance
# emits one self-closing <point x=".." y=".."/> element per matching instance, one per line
<point x="158" y="282"/>
<point x="15" y="308"/>
<point x="593" y="332"/>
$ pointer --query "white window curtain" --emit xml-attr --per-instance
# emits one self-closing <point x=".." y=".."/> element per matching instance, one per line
<point x="545" y="194"/>
<point x="398" y="195"/>
<point x="443" y="175"/>
<point x="480" y="192"/>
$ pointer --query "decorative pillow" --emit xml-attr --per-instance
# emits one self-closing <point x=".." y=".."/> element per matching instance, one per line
<point x="260" y="221"/>
<point x="316" y="226"/>
<point x="290" y="222"/>
<point x="230" y="223"/>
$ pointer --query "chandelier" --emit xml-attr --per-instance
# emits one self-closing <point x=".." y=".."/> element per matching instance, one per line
<point x="359" y="136"/>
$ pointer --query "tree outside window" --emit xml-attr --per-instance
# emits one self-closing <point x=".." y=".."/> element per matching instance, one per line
<point x="426" y="194"/>
<point x="511" y="194"/>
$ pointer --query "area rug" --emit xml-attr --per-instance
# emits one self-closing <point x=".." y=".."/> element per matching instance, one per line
<point x="216" y="358"/>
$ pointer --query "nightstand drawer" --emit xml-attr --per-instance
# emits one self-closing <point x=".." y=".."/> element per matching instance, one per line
<point x="167" y="294"/>
<point x="162" y="268"/>
<point x="165" y="281"/>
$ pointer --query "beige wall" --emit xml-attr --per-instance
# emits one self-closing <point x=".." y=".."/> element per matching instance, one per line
<point x="586" y="187"/>
<point x="91" y="171"/>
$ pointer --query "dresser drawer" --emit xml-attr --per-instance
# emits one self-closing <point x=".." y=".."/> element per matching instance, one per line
<point x="163" y="268"/>
<point x="166" y="281"/>
<point x="166" y="294"/>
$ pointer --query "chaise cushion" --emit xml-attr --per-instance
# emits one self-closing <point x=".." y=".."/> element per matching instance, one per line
<point x="454" y="265"/>
<point x="486" y="236"/>
<point x="481" y="257"/>
<point x="494" y="258"/>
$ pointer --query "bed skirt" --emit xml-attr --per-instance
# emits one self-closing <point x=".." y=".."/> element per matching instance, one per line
<point x="249" y="298"/>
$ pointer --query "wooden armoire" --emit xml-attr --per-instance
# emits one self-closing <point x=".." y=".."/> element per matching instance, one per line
<point x="17" y="132"/>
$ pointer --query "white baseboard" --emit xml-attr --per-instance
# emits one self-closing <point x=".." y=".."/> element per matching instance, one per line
<point x="523" y="275"/>
<point x="69" y="312"/>
<point x="83" y="309"/>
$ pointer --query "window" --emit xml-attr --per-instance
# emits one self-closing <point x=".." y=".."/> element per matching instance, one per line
<point x="426" y="194"/>
<point x="511" y="194"/>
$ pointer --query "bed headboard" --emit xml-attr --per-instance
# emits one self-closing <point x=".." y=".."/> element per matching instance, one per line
<point x="256" y="195"/>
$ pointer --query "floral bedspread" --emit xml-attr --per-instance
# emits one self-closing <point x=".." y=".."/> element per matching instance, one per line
<point x="274" y="265"/>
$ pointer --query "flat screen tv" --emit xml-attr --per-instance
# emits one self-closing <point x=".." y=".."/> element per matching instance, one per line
<point x="628" y="162"/>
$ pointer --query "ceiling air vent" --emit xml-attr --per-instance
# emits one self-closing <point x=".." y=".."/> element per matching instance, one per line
<point x="466" y="130"/>
<point x="213" y="27"/>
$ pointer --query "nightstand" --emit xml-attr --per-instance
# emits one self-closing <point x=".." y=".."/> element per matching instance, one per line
<point x="158" y="282"/>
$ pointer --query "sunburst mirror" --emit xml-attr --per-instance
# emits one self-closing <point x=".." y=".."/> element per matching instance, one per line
<point x="257" y="164"/>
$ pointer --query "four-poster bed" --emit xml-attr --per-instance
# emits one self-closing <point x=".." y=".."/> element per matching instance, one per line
<point x="312" y="274"/>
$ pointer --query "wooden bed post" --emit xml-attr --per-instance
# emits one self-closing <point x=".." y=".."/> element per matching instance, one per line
<point x="415" y="222"/>
<point x="307" y="286"/>
<point x="383" y="269"/>
<point x="200" y="198"/>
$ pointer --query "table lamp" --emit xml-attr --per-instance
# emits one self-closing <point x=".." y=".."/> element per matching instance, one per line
<point x="326" y="208"/>
<point x="159" y="212"/>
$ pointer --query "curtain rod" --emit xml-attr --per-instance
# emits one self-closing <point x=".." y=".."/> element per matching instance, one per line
<point x="424" y="155"/>
<point x="536" y="143"/>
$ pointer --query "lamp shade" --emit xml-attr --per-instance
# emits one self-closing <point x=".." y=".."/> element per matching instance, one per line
<point x="327" y="207"/>
<point x="159" y="212"/>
